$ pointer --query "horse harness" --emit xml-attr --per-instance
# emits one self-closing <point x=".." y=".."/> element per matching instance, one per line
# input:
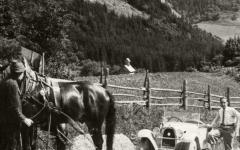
<point x="49" y="95"/>
<point x="26" y="89"/>
<point x="50" y="91"/>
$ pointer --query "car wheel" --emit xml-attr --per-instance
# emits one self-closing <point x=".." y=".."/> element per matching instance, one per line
<point x="182" y="146"/>
<point x="146" y="144"/>
<point x="187" y="146"/>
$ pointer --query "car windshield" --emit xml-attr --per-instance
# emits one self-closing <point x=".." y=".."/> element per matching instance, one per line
<point x="194" y="121"/>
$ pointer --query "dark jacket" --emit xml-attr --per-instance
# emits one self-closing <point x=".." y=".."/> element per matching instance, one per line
<point x="10" y="102"/>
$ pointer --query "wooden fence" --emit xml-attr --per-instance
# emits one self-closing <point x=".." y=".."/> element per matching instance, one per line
<point x="186" y="98"/>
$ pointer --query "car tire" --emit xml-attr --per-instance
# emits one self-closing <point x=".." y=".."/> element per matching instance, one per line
<point x="188" y="146"/>
<point x="145" y="144"/>
<point x="182" y="146"/>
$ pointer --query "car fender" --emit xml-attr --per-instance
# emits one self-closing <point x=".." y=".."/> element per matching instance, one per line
<point x="193" y="138"/>
<point x="189" y="137"/>
<point x="145" y="133"/>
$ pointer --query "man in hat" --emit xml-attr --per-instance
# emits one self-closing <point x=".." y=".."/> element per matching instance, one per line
<point x="227" y="123"/>
<point x="11" y="108"/>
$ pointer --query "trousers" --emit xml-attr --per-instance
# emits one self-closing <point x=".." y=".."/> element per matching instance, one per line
<point x="10" y="138"/>
<point x="227" y="133"/>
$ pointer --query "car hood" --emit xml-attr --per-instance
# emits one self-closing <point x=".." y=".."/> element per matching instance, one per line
<point x="181" y="126"/>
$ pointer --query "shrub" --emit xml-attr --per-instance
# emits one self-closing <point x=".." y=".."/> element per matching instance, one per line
<point x="115" y="69"/>
<point x="191" y="69"/>
<point x="205" y="69"/>
<point x="234" y="17"/>
<point x="90" y="68"/>
<point x="229" y="63"/>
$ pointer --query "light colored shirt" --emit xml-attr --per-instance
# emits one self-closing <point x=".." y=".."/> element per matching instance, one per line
<point x="231" y="116"/>
<point x="130" y="68"/>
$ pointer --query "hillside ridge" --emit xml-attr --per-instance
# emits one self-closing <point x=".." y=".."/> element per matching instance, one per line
<point x="121" y="8"/>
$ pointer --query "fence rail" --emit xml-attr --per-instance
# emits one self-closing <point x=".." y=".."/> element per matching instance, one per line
<point x="166" y="90"/>
<point x="208" y="99"/>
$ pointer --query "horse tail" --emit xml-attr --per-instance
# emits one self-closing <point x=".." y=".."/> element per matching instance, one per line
<point x="110" y="122"/>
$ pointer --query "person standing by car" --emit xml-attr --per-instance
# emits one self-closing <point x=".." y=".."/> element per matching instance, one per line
<point x="226" y="123"/>
<point x="11" y="115"/>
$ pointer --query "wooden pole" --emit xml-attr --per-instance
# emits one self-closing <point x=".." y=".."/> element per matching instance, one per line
<point x="228" y="96"/>
<point x="43" y="63"/>
<point x="146" y="78"/>
<point x="49" y="130"/>
<point x="184" y="95"/>
<point x="101" y="76"/>
<point x="106" y="73"/>
<point x="145" y="83"/>
<point x="209" y="97"/>
<point x="148" y="97"/>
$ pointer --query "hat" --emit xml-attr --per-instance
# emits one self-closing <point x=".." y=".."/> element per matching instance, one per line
<point x="17" y="67"/>
<point x="223" y="99"/>
<point x="128" y="60"/>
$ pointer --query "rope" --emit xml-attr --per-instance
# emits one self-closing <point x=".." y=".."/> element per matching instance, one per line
<point x="69" y="141"/>
<point x="44" y="106"/>
<point x="49" y="129"/>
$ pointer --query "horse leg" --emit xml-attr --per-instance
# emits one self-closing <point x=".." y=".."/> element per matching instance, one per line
<point x="96" y="134"/>
<point x="60" y="140"/>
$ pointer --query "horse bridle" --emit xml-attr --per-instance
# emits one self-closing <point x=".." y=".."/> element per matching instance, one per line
<point x="47" y="105"/>
<point x="27" y="96"/>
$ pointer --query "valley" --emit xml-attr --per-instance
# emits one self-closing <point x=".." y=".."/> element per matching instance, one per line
<point x="227" y="26"/>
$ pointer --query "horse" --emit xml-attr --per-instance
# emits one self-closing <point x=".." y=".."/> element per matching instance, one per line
<point x="73" y="101"/>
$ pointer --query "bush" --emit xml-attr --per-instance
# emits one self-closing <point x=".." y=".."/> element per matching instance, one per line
<point x="90" y="68"/>
<point x="115" y="69"/>
<point x="140" y="70"/>
<point x="234" y="17"/>
<point x="205" y="69"/>
<point x="229" y="63"/>
<point x="191" y="69"/>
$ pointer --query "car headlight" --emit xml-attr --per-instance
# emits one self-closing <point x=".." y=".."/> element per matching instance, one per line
<point x="179" y="133"/>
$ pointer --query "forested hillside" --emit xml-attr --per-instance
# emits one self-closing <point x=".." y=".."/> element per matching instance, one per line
<point x="72" y="32"/>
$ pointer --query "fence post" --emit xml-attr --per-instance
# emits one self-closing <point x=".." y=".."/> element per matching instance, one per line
<point x="101" y="77"/>
<point x="228" y="96"/>
<point x="184" y="95"/>
<point x="148" y="91"/>
<point x="145" y="84"/>
<point x="43" y="63"/>
<point x="106" y="73"/>
<point x="209" y="97"/>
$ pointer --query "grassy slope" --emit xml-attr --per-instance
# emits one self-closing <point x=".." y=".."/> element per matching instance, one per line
<point x="197" y="82"/>
<point x="131" y="118"/>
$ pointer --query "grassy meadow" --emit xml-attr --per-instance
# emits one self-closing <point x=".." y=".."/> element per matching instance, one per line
<point x="225" y="27"/>
<point x="133" y="117"/>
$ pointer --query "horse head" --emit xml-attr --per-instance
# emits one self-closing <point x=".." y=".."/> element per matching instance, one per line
<point x="35" y="104"/>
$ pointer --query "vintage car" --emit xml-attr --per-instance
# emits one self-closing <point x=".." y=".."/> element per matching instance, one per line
<point x="175" y="134"/>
